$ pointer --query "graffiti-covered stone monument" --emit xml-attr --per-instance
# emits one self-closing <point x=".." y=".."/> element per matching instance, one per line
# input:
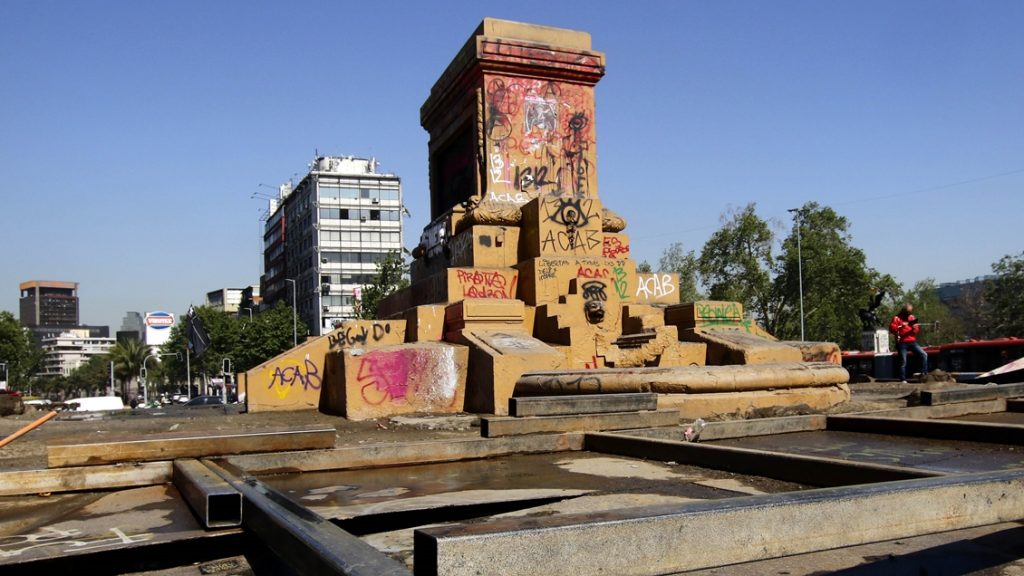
<point x="523" y="270"/>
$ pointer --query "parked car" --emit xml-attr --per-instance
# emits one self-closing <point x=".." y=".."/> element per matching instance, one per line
<point x="39" y="403"/>
<point x="205" y="401"/>
<point x="95" y="403"/>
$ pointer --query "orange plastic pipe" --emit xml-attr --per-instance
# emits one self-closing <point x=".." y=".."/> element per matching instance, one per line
<point x="28" y="428"/>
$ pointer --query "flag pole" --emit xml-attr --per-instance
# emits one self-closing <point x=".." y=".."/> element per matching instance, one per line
<point x="188" y="373"/>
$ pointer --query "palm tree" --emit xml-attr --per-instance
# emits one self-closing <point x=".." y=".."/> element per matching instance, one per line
<point x="128" y="357"/>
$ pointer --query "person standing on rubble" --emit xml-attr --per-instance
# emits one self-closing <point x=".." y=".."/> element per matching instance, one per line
<point x="905" y="326"/>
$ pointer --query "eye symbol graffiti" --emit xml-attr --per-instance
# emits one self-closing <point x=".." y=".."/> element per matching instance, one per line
<point x="570" y="213"/>
<point x="594" y="290"/>
<point x="578" y="122"/>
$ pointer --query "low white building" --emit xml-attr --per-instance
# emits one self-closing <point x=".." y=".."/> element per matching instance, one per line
<point x="71" y="349"/>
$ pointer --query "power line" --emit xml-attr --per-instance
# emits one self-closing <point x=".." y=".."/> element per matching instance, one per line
<point x="932" y="188"/>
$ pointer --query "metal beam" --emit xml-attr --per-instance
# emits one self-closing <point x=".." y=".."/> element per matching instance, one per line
<point x="971" y="393"/>
<point x="799" y="468"/>
<point x="582" y="404"/>
<point x="22" y="482"/>
<point x="189" y="445"/>
<point x="697" y="535"/>
<point x="492" y="426"/>
<point x="308" y="543"/>
<point x="965" y="431"/>
<point x="215" y="502"/>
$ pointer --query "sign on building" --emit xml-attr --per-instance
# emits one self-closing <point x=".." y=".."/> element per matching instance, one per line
<point x="158" y="327"/>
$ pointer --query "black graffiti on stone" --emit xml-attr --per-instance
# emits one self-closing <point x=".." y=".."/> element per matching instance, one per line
<point x="353" y="335"/>
<point x="570" y="240"/>
<point x="574" y="212"/>
<point x="573" y="385"/>
<point x="594" y="290"/>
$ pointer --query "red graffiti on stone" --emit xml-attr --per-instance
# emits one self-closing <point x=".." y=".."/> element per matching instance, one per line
<point x="613" y="247"/>
<point x="588" y="272"/>
<point x="477" y="284"/>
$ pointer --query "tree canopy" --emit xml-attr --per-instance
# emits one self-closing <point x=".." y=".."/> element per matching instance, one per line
<point x="19" y="351"/>
<point x="1005" y="296"/>
<point x="390" y="277"/>
<point x="246" y="342"/>
<point x="737" y="262"/>
<point x="683" y="262"/>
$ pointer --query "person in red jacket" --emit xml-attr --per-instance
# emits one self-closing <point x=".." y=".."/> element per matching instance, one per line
<point x="904" y="325"/>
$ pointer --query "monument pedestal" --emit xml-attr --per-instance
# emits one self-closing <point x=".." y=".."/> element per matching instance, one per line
<point x="876" y="341"/>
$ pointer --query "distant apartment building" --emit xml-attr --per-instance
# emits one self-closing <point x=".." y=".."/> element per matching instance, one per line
<point x="132" y="327"/>
<point x="225" y="299"/>
<point x="70" y="349"/>
<point x="951" y="293"/>
<point x="48" y="303"/>
<point x="324" y="238"/>
<point x="49" y="308"/>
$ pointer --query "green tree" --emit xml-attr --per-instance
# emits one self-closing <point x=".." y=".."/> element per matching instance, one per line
<point x="89" y="379"/>
<point x="391" y="277"/>
<point x="683" y="262"/>
<point x="128" y="357"/>
<point x="644" y="267"/>
<point x="246" y="342"/>
<point x="224" y="331"/>
<point x="268" y="334"/>
<point x="836" y="280"/>
<point x="19" y="351"/>
<point x="1005" y="296"/>
<point x="737" y="263"/>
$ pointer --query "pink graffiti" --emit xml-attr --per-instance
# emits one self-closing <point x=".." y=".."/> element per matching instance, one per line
<point x="384" y="376"/>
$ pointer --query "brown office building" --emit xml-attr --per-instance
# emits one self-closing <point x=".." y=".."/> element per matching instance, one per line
<point x="49" y="303"/>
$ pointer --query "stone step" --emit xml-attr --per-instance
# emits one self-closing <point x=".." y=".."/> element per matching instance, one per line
<point x="494" y="426"/>
<point x="581" y="404"/>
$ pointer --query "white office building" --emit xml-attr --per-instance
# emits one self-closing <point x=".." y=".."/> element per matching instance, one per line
<point x="324" y="237"/>
<point x="71" y="349"/>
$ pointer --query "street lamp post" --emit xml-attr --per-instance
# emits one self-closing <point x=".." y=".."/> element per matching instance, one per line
<point x="295" y="311"/>
<point x="144" y="375"/>
<point x="797" y="213"/>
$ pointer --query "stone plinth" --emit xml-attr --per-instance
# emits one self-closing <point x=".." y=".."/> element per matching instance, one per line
<point x="420" y="377"/>
<point x="512" y="117"/>
<point x="293" y="380"/>
<point x="497" y="359"/>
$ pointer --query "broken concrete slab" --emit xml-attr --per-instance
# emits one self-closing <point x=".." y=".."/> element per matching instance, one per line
<point x="460" y="498"/>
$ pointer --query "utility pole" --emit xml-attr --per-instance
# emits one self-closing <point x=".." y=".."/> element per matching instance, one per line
<point x="188" y="373"/>
<point x="295" y="312"/>
<point x="797" y="213"/>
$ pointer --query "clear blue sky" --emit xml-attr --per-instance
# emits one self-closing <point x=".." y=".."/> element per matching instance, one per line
<point x="132" y="134"/>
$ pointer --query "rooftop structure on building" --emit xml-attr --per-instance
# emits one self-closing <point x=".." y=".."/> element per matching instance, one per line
<point x="65" y="352"/>
<point x="225" y="299"/>
<point x="325" y="237"/>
